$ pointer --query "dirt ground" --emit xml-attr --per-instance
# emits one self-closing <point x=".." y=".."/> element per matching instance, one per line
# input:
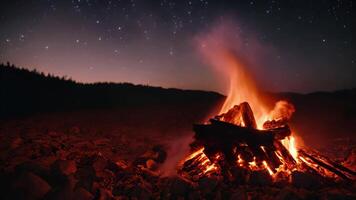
<point x="90" y="154"/>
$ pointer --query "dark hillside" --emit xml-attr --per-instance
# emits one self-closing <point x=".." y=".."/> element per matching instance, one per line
<point x="25" y="92"/>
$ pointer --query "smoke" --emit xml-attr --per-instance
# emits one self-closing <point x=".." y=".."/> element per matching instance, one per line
<point x="282" y="110"/>
<point x="177" y="150"/>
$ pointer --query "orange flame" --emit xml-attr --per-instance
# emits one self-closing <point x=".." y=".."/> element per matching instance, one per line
<point x="242" y="88"/>
<point x="228" y="55"/>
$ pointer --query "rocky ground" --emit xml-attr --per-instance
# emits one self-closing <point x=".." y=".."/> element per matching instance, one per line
<point x="60" y="157"/>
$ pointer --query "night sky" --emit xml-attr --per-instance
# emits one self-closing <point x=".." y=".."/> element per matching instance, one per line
<point x="296" y="45"/>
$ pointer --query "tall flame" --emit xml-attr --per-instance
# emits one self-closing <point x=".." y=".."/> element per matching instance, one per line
<point x="228" y="53"/>
<point x="242" y="88"/>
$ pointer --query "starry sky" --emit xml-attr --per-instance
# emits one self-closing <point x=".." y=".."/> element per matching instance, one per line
<point x="306" y="45"/>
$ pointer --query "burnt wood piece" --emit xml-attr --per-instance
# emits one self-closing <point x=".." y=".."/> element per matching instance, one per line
<point x="219" y="131"/>
<point x="290" y="162"/>
<point x="239" y="115"/>
<point x="222" y="137"/>
<point x="272" y="124"/>
<point x="272" y="158"/>
<point x="336" y="165"/>
<point x="247" y="116"/>
<point x="324" y="165"/>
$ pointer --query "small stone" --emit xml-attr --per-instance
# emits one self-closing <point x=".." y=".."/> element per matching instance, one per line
<point x="99" y="163"/>
<point x="64" y="167"/>
<point x="81" y="193"/>
<point x="103" y="194"/>
<point x="31" y="166"/>
<point x="31" y="186"/>
<point x="86" y="177"/>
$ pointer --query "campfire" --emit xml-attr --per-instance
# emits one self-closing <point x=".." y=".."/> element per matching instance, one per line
<point x="232" y="143"/>
<point x="246" y="139"/>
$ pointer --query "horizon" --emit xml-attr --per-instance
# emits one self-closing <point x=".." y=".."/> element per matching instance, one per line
<point x="158" y="86"/>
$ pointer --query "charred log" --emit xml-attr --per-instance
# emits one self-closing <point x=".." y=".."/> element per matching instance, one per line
<point x="224" y="133"/>
<point x="324" y="165"/>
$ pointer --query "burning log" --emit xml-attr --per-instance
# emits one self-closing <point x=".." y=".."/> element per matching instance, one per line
<point x="235" y="134"/>
<point x="290" y="162"/>
<point x="230" y="133"/>
<point x="325" y="165"/>
<point x="241" y="115"/>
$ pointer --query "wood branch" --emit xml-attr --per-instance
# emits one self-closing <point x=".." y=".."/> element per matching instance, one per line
<point x="272" y="124"/>
<point x="335" y="164"/>
<point x="247" y="116"/>
<point x="272" y="158"/>
<point x="290" y="162"/>
<point x="324" y="165"/>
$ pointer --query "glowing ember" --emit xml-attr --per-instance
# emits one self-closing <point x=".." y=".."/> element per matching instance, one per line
<point x="267" y="167"/>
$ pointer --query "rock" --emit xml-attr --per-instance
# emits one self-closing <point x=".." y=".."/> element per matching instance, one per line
<point x="116" y="166"/>
<point x="64" y="167"/>
<point x="151" y="164"/>
<point x="103" y="194"/>
<point x="70" y="194"/>
<point x="70" y="182"/>
<point x="105" y="177"/>
<point x="82" y="194"/>
<point x="99" y="163"/>
<point x="31" y="166"/>
<point x="59" y="193"/>
<point x="30" y="186"/>
<point x="86" y="177"/>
